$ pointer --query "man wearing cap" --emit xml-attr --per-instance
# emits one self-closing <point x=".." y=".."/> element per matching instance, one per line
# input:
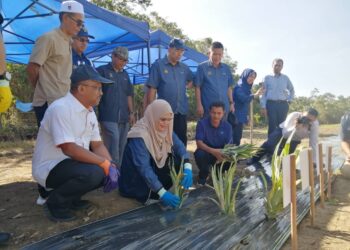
<point x="115" y="111"/>
<point x="79" y="45"/>
<point x="69" y="156"/>
<point x="213" y="82"/>
<point x="169" y="79"/>
<point x="50" y="64"/>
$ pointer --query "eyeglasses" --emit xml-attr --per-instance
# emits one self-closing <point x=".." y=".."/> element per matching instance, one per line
<point x="82" y="39"/>
<point x="99" y="89"/>
<point x="120" y="58"/>
<point x="79" y="23"/>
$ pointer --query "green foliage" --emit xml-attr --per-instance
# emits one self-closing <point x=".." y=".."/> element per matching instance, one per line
<point x="234" y="153"/>
<point x="222" y="184"/>
<point x="222" y="181"/>
<point x="274" y="198"/>
<point x="14" y="124"/>
<point x="176" y="178"/>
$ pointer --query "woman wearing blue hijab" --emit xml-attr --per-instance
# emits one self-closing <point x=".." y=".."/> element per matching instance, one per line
<point x="242" y="96"/>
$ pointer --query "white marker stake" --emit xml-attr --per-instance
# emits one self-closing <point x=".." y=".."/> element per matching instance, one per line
<point x="293" y="205"/>
<point x="304" y="168"/>
<point x="286" y="180"/>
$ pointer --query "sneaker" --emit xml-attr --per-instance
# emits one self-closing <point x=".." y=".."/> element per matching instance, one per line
<point x="58" y="214"/>
<point x="80" y="205"/>
<point x="40" y="201"/>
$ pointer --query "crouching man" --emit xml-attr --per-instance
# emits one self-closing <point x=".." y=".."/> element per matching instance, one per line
<point x="69" y="156"/>
<point x="304" y="125"/>
<point x="212" y="134"/>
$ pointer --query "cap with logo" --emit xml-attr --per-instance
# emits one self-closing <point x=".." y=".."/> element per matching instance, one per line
<point x="84" y="33"/>
<point x="177" y="44"/>
<point x="72" y="7"/>
<point x="121" y="52"/>
<point x="85" y="72"/>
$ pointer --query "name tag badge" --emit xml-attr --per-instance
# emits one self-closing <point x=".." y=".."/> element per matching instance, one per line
<point x="209" y="73"/>
<point x="110" y="75"/>
<point x="166" y="71"/>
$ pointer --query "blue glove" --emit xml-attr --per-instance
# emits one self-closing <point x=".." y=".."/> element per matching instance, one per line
<point x="111" y="180"/>
<point x="168" y="198"/>
<point x="187" y="180"/>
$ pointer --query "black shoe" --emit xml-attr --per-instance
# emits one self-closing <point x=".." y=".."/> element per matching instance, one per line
<point x="4" y="238"/>
<point x="80" y="205"/>
<point x="58" y="214"/>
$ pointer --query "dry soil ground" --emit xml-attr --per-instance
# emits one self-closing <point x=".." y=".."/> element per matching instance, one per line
<point x="27" y="223"/>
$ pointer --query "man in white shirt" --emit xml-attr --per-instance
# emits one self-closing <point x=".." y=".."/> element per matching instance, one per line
<point x="69" y="156"/>
<point x="304" y="124"/>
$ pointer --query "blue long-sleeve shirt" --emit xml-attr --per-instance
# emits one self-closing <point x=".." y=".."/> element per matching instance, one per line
<point x="138" y="175"/>
<point x="277" y="87"/>
<point x="242" y="96"/>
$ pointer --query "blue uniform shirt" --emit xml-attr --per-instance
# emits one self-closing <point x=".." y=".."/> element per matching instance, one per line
<point x="214" y="83"/>
<point x="137" y="169"/>
<point x="345" y="127"/>
<point x="170" y="82"/>
<point x="277" y="88"/>
<point x="214" y="137"/>
<point x="80" y="59"/>
<point x="113" y="106"/>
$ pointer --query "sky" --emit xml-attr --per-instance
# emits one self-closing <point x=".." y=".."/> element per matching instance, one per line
<point x="312" y="37"/>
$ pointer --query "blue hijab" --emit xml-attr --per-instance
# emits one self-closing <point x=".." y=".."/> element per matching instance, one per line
<point x="243" y="80"/>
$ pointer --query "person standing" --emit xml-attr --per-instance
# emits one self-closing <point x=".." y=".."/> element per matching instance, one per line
<point x="169" y="79"/>
<point x="79" y="45"/>
<point x="213" y="82"/>
<point x="242" y="95"/>
<point x="279" y="92"/>
<point x="50" y="64"/>
<point x="116" y="111"/>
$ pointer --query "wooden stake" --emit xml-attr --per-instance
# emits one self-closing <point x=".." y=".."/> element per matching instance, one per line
<point x="293" y="204"/>
<point x="320" y="161"/>
<point x="312" y="187"/>
<point x="330" y="173"/>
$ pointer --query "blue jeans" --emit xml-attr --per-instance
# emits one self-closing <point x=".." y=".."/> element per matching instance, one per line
<point x="114" y="137"/>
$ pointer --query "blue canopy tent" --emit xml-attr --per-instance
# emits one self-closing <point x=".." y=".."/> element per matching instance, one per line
<point x="26" y="20"/>
<point x="138" y="57"/>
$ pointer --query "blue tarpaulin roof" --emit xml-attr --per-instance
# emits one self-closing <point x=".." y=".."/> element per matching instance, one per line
<point x="138" y="64"/>
<point x="26" y="20"/>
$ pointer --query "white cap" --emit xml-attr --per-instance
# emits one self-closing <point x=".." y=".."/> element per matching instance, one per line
<point x="72" y="7"/>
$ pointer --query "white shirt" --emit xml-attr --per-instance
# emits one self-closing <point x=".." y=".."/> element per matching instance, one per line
<point x="66" y="120"/>
<point x="289" y="125"/>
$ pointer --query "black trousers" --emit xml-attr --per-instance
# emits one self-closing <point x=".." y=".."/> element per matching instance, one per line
<point x="276" y="113"/>
<point x="180" y="127"/>
<point x="39" y="113"/>
<point x="205" y="161"/>
<point x="70" y="180"/>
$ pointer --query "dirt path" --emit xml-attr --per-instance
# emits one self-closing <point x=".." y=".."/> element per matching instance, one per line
<point x="27" y="223"/>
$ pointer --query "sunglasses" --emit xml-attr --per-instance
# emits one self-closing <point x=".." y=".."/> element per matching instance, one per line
<point x="82" y="39"/>
<point x="79" y="23"/>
